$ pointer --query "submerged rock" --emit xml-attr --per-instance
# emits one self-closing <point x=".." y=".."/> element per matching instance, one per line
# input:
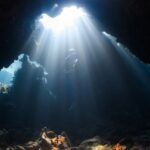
<point x="49" y="140"/>
<point x="91" y="142"/>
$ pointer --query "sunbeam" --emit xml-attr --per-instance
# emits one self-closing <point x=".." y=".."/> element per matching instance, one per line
<point x="75" y="52"/>
<point x="76" y="74"/>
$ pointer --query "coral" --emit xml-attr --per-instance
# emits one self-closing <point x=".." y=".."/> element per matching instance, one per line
<point x="53" y="141"/>
<point x="97" y="143"/>
<point x="119" y="147"/>
<point x="49" y="140"/>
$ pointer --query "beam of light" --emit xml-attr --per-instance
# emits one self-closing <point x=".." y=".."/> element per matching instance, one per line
<point x="66" y="43"/>
<point x="68" y="17"/>
<point x="72" y="57"/>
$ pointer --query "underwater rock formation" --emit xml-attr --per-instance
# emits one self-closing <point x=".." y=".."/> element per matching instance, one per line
<point x="49" y="140"/>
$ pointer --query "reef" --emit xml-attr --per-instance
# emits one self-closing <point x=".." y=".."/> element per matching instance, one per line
<point x="49" y="140"/>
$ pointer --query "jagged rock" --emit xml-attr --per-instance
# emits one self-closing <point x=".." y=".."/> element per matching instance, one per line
<point x="92" y="142"/>
<point x="52" y="141"/>
<point x="49" y="140"/>
<point x="96" y="147"/>
<point x="97" y="143"/>
<point x="20" y="147"/>
<point x="32" y="145"/>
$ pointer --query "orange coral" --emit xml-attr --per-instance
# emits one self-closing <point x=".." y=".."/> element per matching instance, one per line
<point x="53" y="141"/>
<point x="118" y="147"/>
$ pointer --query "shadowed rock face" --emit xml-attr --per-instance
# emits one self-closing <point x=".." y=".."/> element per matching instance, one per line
<point x="126" y="19"/>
